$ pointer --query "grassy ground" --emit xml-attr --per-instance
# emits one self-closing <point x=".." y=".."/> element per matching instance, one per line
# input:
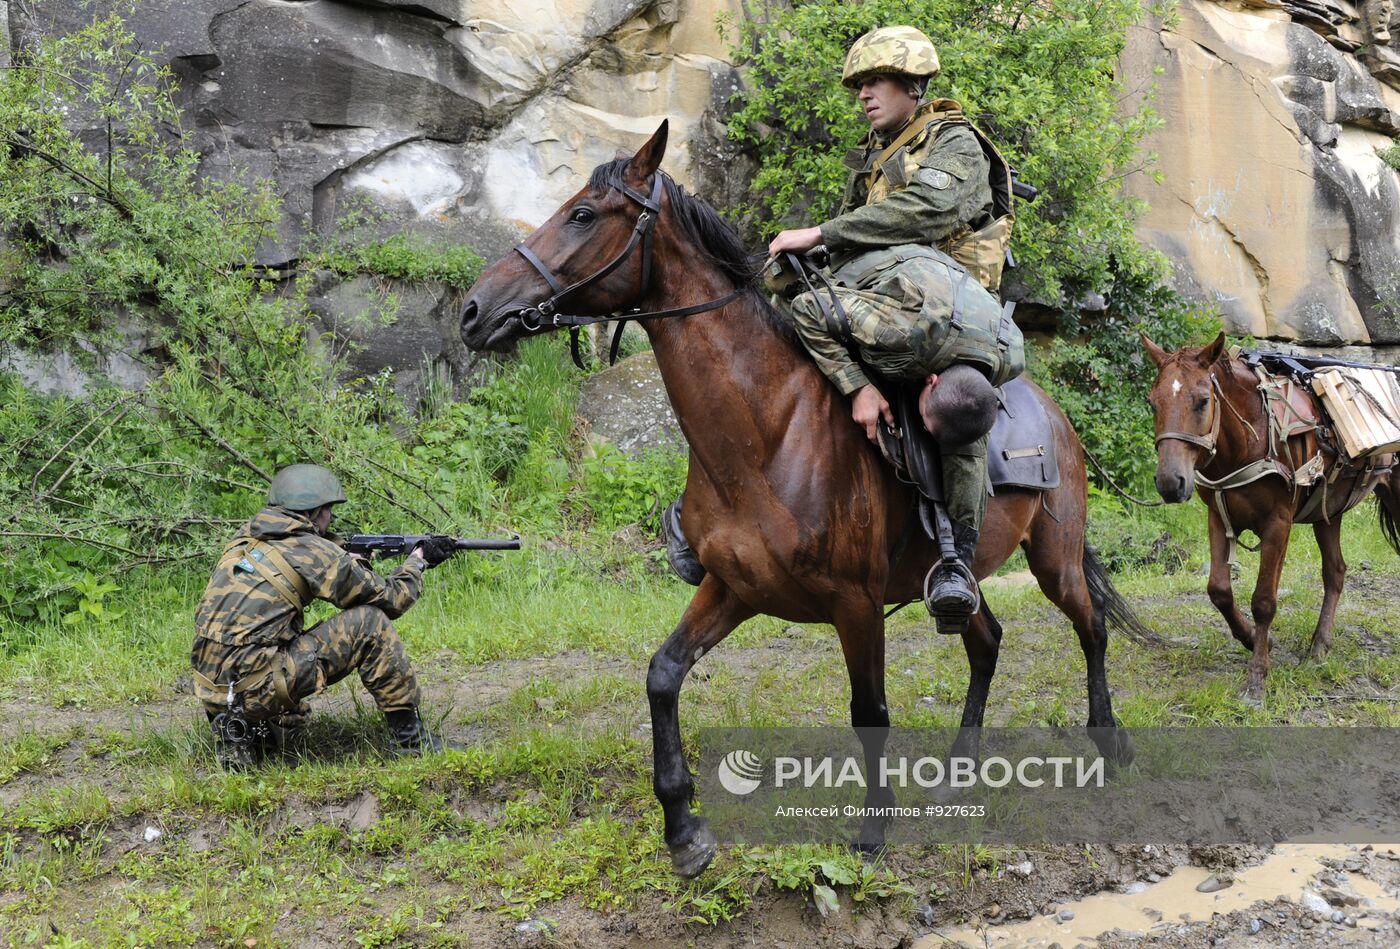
<point x="543" y="825"/>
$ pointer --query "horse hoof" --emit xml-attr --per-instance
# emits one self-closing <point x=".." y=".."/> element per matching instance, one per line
<point x="870" y="842"/>
<point x="1252" y="697"/>
<point x="870" y="851"/>
<point x="1117" y="747"/>
<point x="690" y="859"/>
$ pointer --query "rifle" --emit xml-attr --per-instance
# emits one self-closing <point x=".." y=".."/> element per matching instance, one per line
<point x="396" y="545"/>
<point x="1303" y="366"/>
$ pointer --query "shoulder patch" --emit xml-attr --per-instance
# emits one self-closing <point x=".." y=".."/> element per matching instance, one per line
<point x="933" y="177"/>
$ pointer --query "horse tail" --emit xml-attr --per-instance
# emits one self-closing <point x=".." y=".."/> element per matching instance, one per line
<point x="1388" y="507"/>
<point x="1109" y="603"/>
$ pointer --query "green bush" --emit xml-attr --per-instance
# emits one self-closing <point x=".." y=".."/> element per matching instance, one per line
<point x="1391" y="156"/>
<point x="115" y="232"/>
<point x="621" y="490"/>
<point x="1099" y="374"/>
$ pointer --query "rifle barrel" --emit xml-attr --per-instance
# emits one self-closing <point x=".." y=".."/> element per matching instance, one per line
<point x="464" y="544"/>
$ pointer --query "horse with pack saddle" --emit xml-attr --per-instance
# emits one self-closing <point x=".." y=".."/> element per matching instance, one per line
<point x="1270" y="440"/>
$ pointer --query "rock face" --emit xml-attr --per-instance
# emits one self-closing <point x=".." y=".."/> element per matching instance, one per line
<point x="471" y="120"/>
<point x="1275" y="203"/>
<point x="627" y="406"/>
<point x="466" y="120"/>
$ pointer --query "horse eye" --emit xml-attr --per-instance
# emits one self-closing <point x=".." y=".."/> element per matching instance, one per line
<point x="581" y="216"/>
<point x="1201" y="403"/>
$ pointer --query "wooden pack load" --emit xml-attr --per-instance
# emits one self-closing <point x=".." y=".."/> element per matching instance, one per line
<point x="1365" y="408"/>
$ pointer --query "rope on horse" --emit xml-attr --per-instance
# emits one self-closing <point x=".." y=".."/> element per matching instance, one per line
<point x="1114" y="484"/>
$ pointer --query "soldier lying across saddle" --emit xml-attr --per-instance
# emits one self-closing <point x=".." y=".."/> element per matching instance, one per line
<point x="914" y="251"/>
<point x="250" y="651"/>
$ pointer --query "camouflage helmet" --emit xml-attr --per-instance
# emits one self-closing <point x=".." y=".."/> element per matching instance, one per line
<point x="304" y="488"/>
<point x="898" y="50"/>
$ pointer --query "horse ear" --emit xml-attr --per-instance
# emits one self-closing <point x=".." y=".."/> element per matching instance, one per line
<point x="1156" y="353"/>
<point x="648" y="157"/>
<point x="1212" y="352"/>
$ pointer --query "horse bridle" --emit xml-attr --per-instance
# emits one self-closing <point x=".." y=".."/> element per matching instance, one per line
<point x="1208" y="441"/>
<point x="546" y="315"/>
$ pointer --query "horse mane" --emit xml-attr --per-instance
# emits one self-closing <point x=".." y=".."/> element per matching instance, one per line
<point x="708" y="232"/>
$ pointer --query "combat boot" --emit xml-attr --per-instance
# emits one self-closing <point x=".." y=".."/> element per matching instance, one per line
<point x="409" y="736"/>
<point x="678" y="551"/>
<point x="240" y="744"/>
<point x="950" y="589"/>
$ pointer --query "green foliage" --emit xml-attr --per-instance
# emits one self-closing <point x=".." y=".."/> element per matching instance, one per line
<point x="403" y="257"/>
<point x="114" y="247"/>
<point x="1039" y="79"/>
<point x="622" y="490"/>
<point x="1098" y="373"/>
<point x="1391" y="156"/>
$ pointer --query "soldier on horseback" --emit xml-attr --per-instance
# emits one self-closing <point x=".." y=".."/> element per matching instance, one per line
<point x="915" y="249"/>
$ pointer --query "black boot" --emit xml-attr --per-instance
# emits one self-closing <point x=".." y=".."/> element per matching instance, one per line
<point x="408" y="735"/>
<point x="678" y="552"/>
<point x="240" y="744"/>
<point x="950" y="589"/>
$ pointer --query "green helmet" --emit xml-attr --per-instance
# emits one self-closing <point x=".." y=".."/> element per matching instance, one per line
<point x="304" y="488"/>
<point x="897" y="50"/>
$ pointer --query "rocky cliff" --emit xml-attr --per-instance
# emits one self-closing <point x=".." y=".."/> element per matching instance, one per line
<point x="470" y="120"/>
<point x="473" y="119"/>
<point x="1274" y="201"/>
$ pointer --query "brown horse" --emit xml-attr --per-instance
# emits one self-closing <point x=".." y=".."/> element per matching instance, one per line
<point x="791" y="511"/>
<point x="1213" y="425"/>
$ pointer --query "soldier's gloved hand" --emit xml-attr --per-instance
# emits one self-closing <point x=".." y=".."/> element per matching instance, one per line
<point x="435" y="550"/>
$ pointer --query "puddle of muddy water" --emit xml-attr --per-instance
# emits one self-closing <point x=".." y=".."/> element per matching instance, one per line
<point x="1285" y="874"/>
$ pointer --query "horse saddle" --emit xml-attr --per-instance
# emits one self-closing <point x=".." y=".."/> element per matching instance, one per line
<point x="1020" y="449"/>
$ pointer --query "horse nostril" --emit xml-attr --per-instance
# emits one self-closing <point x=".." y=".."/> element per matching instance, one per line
<point x="468" y="312"/>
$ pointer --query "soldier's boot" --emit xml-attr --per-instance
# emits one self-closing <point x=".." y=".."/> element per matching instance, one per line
<point x="409" y="736"/>
<point x="289" y="730"/>
<point x="950" y="589"/>
<point x="678" y="551"/>
<point x="239" y="744"/>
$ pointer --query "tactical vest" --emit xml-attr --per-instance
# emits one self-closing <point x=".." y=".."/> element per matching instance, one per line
<point x="982" y="250"/>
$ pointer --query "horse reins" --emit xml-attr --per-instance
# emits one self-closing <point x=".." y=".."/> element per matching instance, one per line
<point x="546" y="313"/>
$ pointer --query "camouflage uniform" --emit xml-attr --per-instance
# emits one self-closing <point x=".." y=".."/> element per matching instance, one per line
<point x="900" y="294"/>
<point x="246" y="626"/>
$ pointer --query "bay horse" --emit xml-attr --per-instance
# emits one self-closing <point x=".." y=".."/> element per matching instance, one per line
<point x="1215" y="435"/>
<point x="789" y="508"/>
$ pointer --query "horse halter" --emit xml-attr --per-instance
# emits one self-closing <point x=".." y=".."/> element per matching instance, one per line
<point x="1207" y="441"/>
<point x="545" y="314"/>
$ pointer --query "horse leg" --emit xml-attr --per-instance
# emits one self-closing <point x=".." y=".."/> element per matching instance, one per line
<point x="712" y="615"/>
<point x="1334" y="574"/>
<point x="1063" y="582"/>
<point x="1273" y="546"/>
<point x="1220" y="586"/>
<point x="862" y="634"/>
<point x="982" y="643"/>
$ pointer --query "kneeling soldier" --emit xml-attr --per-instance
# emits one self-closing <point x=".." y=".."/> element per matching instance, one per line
<point x="254" y="665"/>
